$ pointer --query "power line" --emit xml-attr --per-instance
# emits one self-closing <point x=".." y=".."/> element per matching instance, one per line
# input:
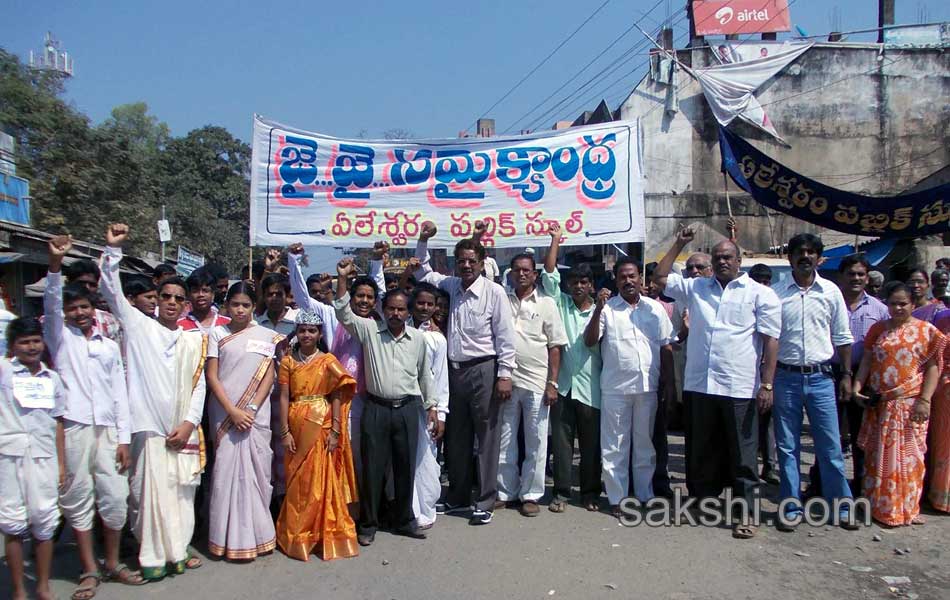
<point x="545" y="60"/>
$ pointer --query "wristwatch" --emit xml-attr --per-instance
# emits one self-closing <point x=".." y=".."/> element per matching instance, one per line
<point x="252" y="407"/>
<point x="767" y="387"/>
<point x="553" y="384"/>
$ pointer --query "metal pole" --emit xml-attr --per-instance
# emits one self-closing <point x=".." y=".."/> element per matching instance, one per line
<point x="163" y="243"/>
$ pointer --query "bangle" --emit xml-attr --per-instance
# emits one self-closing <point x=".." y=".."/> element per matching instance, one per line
<point x="336" y="431"/>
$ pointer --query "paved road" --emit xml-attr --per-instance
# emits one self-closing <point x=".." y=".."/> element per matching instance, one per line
<point x="579" y="555"/>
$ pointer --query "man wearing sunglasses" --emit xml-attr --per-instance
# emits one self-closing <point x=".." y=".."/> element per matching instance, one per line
<point x="167" y="393"/>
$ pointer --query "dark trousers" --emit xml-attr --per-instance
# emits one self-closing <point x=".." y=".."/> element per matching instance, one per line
<point x="723" y="454"/>
<point x="853" y="414"/>
<point x="572" y="418"/>
<point x="688" y="439"/>
<point x="388" y="437"/>
<point x="473" y="413"/>
<point x="661" y="475"/>
<point x="765" y="419"/>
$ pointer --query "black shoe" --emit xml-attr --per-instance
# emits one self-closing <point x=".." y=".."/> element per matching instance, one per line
<point x="444" y="508"/>
<point x="664" y="493"/>
<point x="480" y="517"/>
<point x="410" y="532"/>
<point x="366" y="539"/>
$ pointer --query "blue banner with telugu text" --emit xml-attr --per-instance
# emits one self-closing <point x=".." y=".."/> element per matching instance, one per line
<point x="776" y="186"/>
<point x="14" y="199"/>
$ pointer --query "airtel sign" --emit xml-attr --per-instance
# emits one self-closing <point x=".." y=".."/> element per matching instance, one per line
<point x="724" y="17"/>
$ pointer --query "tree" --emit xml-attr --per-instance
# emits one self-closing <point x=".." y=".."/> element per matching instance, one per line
<point x="398" y="133"/>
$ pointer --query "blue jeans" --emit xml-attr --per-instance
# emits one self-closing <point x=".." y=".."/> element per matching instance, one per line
<point x="816" y="393"/>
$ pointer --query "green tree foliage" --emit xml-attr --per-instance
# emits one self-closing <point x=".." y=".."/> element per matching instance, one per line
<point x="82" y="177"/>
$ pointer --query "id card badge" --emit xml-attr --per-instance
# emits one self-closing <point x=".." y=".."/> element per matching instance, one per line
<point x="34" y="392"/>
<point x="260" y="347"/>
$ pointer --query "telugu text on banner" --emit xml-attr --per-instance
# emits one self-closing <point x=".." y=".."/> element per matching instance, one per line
<point x="320" y="190"/>
<point x="776" y="186"/>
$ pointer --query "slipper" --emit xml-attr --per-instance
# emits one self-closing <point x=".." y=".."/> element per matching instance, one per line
<point x="124" y="575"/>
<point x="557" y="506"/>
<point x="743" y="532"/>
<point x="85" y="593"/>
<point x="193" y="562"/>
<point x="592" y="505"/>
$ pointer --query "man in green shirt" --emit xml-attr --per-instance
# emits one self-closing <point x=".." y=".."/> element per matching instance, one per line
<point x="577" y="411"/>
<point x="399" y="386"/>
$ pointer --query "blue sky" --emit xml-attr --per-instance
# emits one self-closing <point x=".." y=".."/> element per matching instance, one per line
<point x="429" y="67"/>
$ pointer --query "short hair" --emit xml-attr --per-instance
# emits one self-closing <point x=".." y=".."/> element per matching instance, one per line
<point x="217" y="271"/>
<point x="391" y="278"/>
<point x="314" y="278"/>
<point x="580" y="271"/>
<point x="368" y="282"/>
<point x="803" y="240"/>
<point x="938" y="273"/>
<point x="242" y="287"/>
<point x="913" y="271"/>
<point x="82" y="267"/>
<point x="257" y="269"/>
<point x="523" y="256"/>
<point x="626" y="260"/>
<point x="876" y="277"/>
<point x="396" y="292"/>
<point x="73" y="292"/>
<point x="199" y="278"/>
<point x="138" y="285"/>
<point x="176" y="280"/>
<point x="734" y="245"/>
<point x="425" y="287"/>
<point x="23" y="327"/>
<point x="470" y="244"/>
<point x="162" y="269"/>
<point x="649" y="268"/>
<point x="760" y="270"/>
<point x="893" y="287"/>
<point x="273" y="279"/>
<point x="854" y="259"/>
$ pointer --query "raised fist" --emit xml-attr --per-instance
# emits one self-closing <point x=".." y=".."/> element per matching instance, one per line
<point x="428" y="231"/>
<point x="117" y="234"/>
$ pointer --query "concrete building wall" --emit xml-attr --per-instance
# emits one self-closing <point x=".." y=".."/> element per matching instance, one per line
<point x="856" y="118"/>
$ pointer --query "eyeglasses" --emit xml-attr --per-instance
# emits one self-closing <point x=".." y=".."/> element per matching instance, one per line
<point x="177" y="298"/>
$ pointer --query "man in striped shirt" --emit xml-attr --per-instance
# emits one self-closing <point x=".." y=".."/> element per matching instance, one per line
<point x="815" y="327"/>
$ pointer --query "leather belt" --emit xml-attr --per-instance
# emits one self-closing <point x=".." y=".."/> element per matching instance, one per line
<point x="807" y="369"/>
<point x="464" y="364"/>
<point x="394" y="403"/>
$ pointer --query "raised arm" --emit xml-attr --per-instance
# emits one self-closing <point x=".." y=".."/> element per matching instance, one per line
<point x="359" y="327"/>
<point x="425" y="272"/>
<point x="53" y="321"/>
<point x="592" y="331"/>
<point x="663" y="268"/>
<point x="376" y="271"/>
<point x="298" y="287"/>
<point x="128" y="315"/>
<point x="550" y="259"/>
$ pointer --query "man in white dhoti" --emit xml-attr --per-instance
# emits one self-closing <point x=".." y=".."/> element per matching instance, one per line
<point x="426" y="487"/>
<point x="96" y="423"/>
<point x="166" y="393"/>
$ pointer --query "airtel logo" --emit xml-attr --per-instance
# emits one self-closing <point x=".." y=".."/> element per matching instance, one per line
<point x="724" y="15"/>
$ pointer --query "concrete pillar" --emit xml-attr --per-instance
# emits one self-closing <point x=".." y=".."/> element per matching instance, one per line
<point x="694" y="40"/>
<point x="885" y="16"/>
<point x="666" y="38"/>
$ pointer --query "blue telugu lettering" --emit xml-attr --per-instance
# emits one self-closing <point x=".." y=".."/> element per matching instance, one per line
<point x="298" y="166"/>
<point x="353" y="167"/>
<point x="599" y="172"/>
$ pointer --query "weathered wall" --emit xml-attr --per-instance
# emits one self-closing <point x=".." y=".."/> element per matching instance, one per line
<point x="856" y="118"/>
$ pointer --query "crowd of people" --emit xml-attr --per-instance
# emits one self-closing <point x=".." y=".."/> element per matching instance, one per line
<point x="305" y="415"/>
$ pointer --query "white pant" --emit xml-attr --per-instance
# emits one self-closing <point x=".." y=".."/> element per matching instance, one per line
<point x="29" y="491"/>
<point x="530" y="407"/>
<point x="92" y="478"/>
<point x="426" y="487"/>
<point x="624" y="417"/>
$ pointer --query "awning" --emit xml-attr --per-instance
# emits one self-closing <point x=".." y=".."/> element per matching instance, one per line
<point x="9" y="257"/>
<point x="874" y="252"/>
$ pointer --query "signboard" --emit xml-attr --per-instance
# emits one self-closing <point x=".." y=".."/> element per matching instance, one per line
<point x="324" y="191"/>
<point x="188" y="261"/>
<point x="164" y="231"/>
<point x="14" y="199"/>
<point x="7" y="147"/>
<point x="725" y="17"/>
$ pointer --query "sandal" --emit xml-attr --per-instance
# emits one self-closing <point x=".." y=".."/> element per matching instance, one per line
<point x="592" y="505"/>
<point x="557" y="506"/>
<point x="743" y="532"/>
<point x="124" y="575"/>
<point x="193" y="562"/>
<point x="85" y="593"/>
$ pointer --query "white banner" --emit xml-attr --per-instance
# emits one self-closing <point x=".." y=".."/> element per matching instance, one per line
<point x="325" y="191"/>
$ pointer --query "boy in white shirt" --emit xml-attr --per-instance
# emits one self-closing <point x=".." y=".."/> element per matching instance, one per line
<point x="32" y="403"/>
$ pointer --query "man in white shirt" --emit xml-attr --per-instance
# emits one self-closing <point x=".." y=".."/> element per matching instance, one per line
<point x="97" y="422"/>
<point x="275" y="288"/>
<point x="815" y="327"/>
<point x="734" y="328"/>
<point x="426" y="485"/>
<point x="481" y="359"/>
<point x="539" y="336"/>
<point x="634" y="333"/>
<point x="166" y="386"/>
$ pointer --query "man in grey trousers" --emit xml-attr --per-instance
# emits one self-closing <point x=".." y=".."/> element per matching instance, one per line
<point x="481" y="352"/>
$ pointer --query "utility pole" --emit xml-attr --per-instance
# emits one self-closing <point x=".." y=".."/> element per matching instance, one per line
<point x="163" y="240"/>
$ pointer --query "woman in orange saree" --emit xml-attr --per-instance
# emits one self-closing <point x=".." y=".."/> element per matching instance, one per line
<point x="315" y="394"/>
<point x="900" y="366"/>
